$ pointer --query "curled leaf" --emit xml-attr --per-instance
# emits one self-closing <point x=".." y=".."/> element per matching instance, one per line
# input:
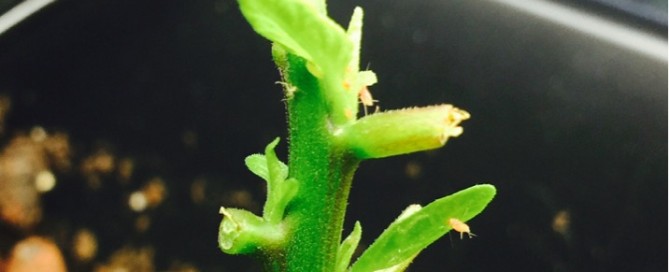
<point x="242" y="232"/>
<point x="403" y="131"/>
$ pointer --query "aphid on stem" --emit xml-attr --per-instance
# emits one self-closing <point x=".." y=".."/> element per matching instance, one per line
<point x="460" y="227"/>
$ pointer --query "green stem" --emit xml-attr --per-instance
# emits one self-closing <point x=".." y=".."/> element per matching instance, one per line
<point x="324" y="170"/>
<point x="302" y="221"/>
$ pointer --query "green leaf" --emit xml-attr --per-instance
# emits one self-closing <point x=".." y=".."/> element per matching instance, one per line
<point x="320" y="6"/>
<point x="278" y="171"/>
<point x="367" y="78"/>
<point x="280" y="188"/>
<point x="268" y="166"/>
<point x="354" y="33"/>
<point x="347" y="248"/>
<point x="410" y="234"/>
<point x="257" y="163"/>
<point x="303" y="28"/>
<point x="279" y="198"/>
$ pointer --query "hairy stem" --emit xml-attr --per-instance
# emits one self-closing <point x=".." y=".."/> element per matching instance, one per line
<point x="324" y="170"/>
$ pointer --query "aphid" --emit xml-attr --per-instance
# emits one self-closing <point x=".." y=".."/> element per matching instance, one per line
<point x="366" y="97"/>
<point x="365" y="79"/>
<point x="460" y="227"/>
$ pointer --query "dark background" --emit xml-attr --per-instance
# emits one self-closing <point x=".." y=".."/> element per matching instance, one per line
<point x="560" y="122"/>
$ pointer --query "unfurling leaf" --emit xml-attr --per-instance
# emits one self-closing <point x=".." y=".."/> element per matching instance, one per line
<point x="347" y="248"/>
<point x="257" y="163"/>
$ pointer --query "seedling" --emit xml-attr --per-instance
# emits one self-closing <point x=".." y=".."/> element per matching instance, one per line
<point x="300" y="228"/>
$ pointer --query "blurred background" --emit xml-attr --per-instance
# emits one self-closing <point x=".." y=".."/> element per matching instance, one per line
<point x="124" y="124"/>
